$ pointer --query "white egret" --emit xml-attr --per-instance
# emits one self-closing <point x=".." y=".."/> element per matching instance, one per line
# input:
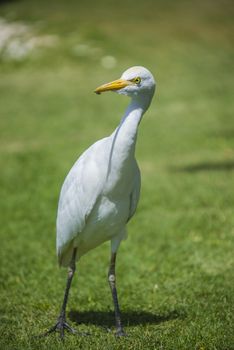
<point x="101" y="192"/>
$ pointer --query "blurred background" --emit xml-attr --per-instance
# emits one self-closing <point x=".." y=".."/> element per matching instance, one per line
<point x="179" y="253"/>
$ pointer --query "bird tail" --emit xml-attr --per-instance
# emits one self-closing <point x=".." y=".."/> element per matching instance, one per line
<point x="64" y="256"/>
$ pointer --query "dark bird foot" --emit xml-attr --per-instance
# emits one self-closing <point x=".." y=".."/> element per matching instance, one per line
<point x="60" y="326"/>
<point x="120" y="333"/>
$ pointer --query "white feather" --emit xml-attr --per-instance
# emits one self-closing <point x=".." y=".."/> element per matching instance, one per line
<point x="101" y="191"/>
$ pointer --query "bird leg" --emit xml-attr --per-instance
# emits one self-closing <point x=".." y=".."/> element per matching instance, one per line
<point x="61" y="323"/>
<point x="112" y="279"/>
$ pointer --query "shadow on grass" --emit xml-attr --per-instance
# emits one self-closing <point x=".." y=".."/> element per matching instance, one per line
<point x="205" y="166"/>
<point x="129" y="318"/>
<point x="2" y="2"/>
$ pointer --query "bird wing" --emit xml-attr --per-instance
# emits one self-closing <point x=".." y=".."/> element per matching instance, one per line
<point x="135" y="194"/>
<point x="79" y="193"/>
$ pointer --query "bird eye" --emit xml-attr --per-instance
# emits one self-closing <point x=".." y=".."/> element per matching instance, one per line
<point x="137" y="80"/>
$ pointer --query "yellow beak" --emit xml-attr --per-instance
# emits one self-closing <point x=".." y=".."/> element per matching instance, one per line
<point x="113" y="86"/>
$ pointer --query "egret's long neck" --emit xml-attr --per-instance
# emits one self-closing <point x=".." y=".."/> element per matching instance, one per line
<point x="126" y="133"/>
<point x="124" y="137"/>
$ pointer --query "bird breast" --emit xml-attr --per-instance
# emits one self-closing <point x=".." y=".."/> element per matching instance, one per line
<point x="107" y="220"/>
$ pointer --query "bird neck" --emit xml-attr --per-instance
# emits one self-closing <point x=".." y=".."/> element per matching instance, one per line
<point x="126" y="133"/>
<point x="124" y="137"/>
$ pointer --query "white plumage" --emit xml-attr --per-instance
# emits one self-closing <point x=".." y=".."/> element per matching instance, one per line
<point x="101" y="192"/>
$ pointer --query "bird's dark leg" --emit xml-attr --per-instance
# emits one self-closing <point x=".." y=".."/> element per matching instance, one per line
<point x="112" y="279"/>
<point x="61" y="323"/>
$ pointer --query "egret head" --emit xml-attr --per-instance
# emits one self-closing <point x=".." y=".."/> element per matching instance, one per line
<point x="135" y="82"/>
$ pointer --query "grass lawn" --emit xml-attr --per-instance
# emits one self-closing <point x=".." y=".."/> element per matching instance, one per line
<point x="175" y="271"/>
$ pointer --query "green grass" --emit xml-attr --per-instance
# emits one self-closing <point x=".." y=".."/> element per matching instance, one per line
<point x="175" y="271"/>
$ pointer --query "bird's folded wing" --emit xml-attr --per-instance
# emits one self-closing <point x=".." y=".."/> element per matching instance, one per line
<point x="80" y="191"/>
